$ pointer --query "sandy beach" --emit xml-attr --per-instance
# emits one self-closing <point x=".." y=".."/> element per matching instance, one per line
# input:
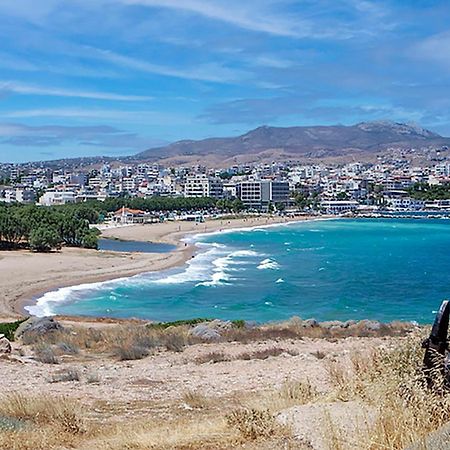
<point x="25" y="275"/>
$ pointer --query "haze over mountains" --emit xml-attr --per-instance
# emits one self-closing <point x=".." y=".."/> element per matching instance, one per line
<point x="363" y="141"/>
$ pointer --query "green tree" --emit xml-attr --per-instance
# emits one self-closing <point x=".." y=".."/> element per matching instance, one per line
<point x="44" y="239"/>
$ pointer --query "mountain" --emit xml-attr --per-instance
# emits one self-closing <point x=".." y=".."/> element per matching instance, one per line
<point x="263" y="143"/>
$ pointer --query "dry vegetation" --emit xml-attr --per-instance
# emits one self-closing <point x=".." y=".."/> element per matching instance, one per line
<point x="386" y="383"/>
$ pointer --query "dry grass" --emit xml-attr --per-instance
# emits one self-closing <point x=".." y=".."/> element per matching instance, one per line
<point x="253" y="424"/>
<point x="391" y="382"/>
<point x="43" y="410"/>
<point x="220" y="356"/>
<point x="123" y="341"/>
<point x="45" y="354"/>
<point x="195" y="399"/>
<point x="181" y="433"/>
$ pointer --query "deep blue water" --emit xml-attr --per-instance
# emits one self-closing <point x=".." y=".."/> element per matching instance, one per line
<point x="384" y="269"/>
<point x="134" y="246"/>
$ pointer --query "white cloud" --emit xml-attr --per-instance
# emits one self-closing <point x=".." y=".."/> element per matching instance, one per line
<point x="204" y="72"/>
<point x="247" y="15"/>
<point x="119" y="115"/>
<point x="30" y="89"/>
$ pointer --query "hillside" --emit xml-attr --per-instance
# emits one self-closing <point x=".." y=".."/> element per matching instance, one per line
<point x="337" y="141"/>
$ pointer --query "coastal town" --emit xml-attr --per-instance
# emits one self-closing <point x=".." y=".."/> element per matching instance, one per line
<point x="354" y="187"/>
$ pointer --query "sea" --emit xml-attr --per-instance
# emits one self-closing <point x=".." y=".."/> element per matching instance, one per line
<point x="340" y="269"/>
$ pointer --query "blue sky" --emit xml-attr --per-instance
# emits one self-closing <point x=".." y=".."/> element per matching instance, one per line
<point x="114" y="77"/>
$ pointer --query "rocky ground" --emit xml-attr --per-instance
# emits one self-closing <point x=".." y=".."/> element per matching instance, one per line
<point x="128" y="372"/>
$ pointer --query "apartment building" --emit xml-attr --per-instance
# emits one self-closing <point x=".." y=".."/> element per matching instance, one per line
<point x="259" y="193"/>
<point x="200" y="185"/>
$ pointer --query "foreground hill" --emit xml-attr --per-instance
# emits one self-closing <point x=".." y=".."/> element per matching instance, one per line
<point x="293" y="143"/>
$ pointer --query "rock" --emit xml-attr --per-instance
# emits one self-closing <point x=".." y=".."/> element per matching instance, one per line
<point x="371" y="325"/>
<point x="332" y="324"/>
<point x="310" y="323"/>
<point x="38" y="326"/>
<point x="205" y="332"/>
<point x="220" y="324"/>
<point x="349" y="323"/>
<point x="5" y="345"/>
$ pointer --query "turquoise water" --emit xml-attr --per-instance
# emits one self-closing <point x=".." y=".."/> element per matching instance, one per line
<point x="337" y="269"/>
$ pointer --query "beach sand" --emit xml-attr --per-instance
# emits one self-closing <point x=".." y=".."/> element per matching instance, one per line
<point x="25" y="275"/>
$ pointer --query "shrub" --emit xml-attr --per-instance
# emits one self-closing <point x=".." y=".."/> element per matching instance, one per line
<point x="45" y="354"/>
<point x="178" y="323"/>
<point x="213" y="357"/>
<point x="68" y="348"/>
<point x="252" y="423"/>
<point x="66" y="375"/>
<point x="175" y="341"/>
<point x="128" y="351"/>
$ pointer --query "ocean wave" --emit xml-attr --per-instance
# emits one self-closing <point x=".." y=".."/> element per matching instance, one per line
<point x="280" y="280"/>
<point x="221" y="267"/>
<point x="45" y="304"/>
<point x="268" y="264"/>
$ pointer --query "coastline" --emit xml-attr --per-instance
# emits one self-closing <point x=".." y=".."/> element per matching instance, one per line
<point x="26" y="276"/>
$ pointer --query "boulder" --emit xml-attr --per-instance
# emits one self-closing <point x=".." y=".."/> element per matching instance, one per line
<point x="38" y="326"/>
<point x="220" y="324"/>
<point x="371" y="325"/>
<point x="5" y="345"/>
<point x="205" y="332"/>
<point x="332" y="324"/>
<point x="310" y="323"/>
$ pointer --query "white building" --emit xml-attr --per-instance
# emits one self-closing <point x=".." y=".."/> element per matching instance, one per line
<point x="200" y="185"/>
<point x="54" y="197"/>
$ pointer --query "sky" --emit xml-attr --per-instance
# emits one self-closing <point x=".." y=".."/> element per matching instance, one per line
<point x="115" y="77"/>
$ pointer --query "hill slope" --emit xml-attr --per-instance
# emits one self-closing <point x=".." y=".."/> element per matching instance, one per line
<point x="298" y="142"/>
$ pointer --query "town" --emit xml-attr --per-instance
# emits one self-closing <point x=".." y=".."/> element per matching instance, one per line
<point x="364" y="188"/>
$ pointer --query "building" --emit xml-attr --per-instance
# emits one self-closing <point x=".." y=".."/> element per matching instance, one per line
<point x="25" y="195"/>
<point x="200" y="185"/>
<point x="127" y="215"/>
<point x="54" y="197"/>
<point x="258" y="194"/>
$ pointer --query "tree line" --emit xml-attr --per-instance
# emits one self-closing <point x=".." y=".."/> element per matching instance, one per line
<point x="45" y="228"/>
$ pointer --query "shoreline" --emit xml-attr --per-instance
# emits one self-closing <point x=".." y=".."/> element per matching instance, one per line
<point x="175" y="233"/>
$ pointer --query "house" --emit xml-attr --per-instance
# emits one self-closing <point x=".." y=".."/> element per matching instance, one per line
<point x="127" y="215"/>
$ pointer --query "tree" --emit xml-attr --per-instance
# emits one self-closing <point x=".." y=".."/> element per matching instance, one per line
<point x="44" y="239"/>
<point x="237" y="205"/>
<point x="280" y="206"/>
<point x="90" y="238"/>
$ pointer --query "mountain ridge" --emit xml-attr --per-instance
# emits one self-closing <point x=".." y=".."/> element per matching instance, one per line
<point x="299" y="142"/>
